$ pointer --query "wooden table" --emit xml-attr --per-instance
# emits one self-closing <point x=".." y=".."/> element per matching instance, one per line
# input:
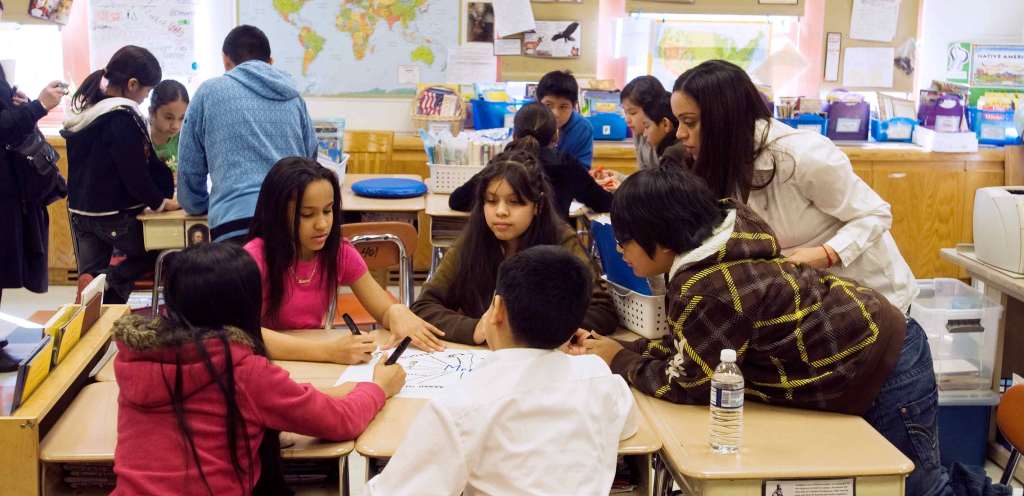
<point x="778" y="443"/>
<point x="437" y="208"/>
<point x="21" y="433"/>
<point x="350" y="202"/>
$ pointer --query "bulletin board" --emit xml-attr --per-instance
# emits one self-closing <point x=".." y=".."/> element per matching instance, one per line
<point x="837" y="20"/>
<point x="729" y="7"/>
<point x="522" y="68"/>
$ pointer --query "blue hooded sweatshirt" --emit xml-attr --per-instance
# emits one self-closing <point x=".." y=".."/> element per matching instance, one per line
<point x="236" y="128"/>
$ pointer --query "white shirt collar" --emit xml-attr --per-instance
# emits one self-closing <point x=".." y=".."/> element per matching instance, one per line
<point x="719" y="237"/>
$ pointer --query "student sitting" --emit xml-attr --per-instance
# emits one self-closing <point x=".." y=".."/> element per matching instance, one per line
<point x="662" y="124"/>
<point x="634" y="97"/>
<point x="804" y="338"/>
<point x="558" y="91"/>
<point x="536" y="132"/>
<point x="512" y="212"/>
<point x="303" y="259"/>
<point x="531" y="419"/>
<point x="167" y="106"/>
<point x="200" y="405"/>
<point x="113" y="171"/>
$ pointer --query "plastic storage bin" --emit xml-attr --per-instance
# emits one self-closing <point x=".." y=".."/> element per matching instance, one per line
<point x="963" y="426"/>
<point x="993" y="127"/>
<point x="642" y="314"/>
<point x="809" y="122"/>
<point x="897" y="129"/>
<point x="490" y="115"/>
<point x="961" y="324"/>
<point x="445" y="178"/>
<point x="608" y="126"/>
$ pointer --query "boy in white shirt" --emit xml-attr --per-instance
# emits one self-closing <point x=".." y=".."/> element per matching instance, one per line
<point x="531" y="419"/>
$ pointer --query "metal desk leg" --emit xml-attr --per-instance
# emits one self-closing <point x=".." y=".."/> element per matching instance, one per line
<point x="157" y="275"/>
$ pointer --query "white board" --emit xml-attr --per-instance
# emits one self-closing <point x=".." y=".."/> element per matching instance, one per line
<point x="164" y="27"/>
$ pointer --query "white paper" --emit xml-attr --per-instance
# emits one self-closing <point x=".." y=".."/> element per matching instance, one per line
<point x="427" y="374"/>
<point x="832" y="47"/>
<point x="512" y="16"/>
<point x="868" y="67"/>
<point x="874" y="20"/>
<point x="408" y="74"/>
<point x="781" y="66"/>
<point x="554" y="39"/>
<point x="830" y="487"/>
<point x="473" y="63"/>
<point x="512" y="46"/>
<point x="165" y="28"/>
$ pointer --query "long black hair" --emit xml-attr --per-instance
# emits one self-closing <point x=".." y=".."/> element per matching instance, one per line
<point x="534" y="127"/>
<point x="641" y="90"/>
<point x="128" y="62"/>
<point x="210" y="287"/>
<point x="168" y="91"/>
<point x="730" y="106"/>
<point x="659" y="108"/>
<point x="283" y="188"/>
<point x="480" y="252"/>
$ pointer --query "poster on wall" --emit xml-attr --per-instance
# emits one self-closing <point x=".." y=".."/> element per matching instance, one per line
<point x="479" y="23"/>
<point x="998" y="65"/>
<point x="553" y="39"/>
<point x="679" y="45"/>
<point x="56" y="11"/>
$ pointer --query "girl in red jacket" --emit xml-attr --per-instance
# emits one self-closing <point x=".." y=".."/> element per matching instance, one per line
<point x="200" y="405"/>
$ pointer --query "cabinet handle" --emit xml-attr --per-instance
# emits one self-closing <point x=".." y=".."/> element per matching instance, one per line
<point x="897" y="175"/>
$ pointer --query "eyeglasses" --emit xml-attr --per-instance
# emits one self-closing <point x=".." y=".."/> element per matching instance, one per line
<point x="620" y="244"/>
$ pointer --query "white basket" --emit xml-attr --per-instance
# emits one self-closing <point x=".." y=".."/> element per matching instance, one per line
<point x="642" y="314"/>
<point x="445" y="178"/>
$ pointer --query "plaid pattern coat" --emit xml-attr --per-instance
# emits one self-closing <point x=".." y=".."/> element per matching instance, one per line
<point x="803" y="337"/>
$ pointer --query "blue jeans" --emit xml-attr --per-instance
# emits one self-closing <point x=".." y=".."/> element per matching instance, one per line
<point x="906" y="413"/>
<point x="95" y="239"/>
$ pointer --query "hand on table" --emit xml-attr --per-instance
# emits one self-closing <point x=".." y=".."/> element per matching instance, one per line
<point x="390" y="378"/>
<point x="402" y="322"/>
<point x="574" y="346"/>
<point x="602" y="346"/>
<point x="349" y="349"/>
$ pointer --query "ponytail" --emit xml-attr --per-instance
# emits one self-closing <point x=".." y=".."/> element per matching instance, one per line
<point x="89" y="92"/>
<point x="527" y="143"/>
<point x="537" y="125"/>
<point x="129" y="62"/>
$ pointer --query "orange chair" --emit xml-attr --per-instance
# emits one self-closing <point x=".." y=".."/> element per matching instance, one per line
<point x="383" y="245"/>
<point x="1010" y="419"/>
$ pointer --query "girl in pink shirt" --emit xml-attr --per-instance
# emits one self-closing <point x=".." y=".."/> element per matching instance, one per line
<point x="296" y="241"/>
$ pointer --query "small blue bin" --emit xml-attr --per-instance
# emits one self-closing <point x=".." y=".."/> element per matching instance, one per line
<point x="608" y="126"/>
<point x="808" y="122"/>
<point x="897" y="129"/>
<point x="491" y="115"/>
<point x="993" y="127"/>
<point x="963" y="426"/>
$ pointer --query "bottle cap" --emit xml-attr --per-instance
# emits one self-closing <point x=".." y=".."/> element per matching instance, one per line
<point x="728" y="355"/>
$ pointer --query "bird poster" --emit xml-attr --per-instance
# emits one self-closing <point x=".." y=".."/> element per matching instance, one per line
<point x="553" y="39"/>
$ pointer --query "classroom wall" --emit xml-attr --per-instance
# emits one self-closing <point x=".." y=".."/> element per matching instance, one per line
<point x="944" y="21"/>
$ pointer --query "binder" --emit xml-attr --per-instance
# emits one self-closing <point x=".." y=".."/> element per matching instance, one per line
<point x="614" y="266"/>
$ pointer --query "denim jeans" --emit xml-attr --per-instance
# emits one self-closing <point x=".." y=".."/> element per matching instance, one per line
<point x="95" y="240"/>
<point x="906" y="413"/>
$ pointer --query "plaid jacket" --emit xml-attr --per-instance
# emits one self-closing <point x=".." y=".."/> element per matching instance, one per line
<point x="803" y="337"/>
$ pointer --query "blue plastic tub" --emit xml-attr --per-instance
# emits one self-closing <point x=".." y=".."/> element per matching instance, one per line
<point x="808" y="122"/>
<point x="897" y="129"/>
<point x="993" y="127"/>
<point x="491" y="115"/>
<point x="963" y="427"/>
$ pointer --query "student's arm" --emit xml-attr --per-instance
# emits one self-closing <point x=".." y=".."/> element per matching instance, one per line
<point x="285" y="405"/>
<point x="709" y="325"/>
<point x="127" y="145"/>
<point x="586" y="190"/>
<point x="584" y="145"/>
<point x="398" y="319"/>
<point x="463" y="197"/>
<point x="826" y="178"/>
<point x="342" y="347"/>
<point x="16" y="121"/>
<point x="601" y="315"/>
<point x="433" y="306"/>
<point x="415" y="467"/>
<point x="192" y="165"/>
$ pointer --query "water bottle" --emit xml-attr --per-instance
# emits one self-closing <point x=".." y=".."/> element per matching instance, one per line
<point x="726" y="405"/>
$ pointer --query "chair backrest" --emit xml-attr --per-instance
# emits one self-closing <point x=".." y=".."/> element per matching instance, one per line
<point x="1010" y="416"/>
<point x="384" y="245"/>
<point x="369" y="151"/>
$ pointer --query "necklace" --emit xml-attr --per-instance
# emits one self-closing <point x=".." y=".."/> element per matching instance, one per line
<point x="308" y="279"/>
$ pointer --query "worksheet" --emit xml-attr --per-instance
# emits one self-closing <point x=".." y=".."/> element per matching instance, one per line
<point x="427" y="374"/>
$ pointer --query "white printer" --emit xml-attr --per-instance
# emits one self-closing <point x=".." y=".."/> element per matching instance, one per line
<point x="999" y="227"/>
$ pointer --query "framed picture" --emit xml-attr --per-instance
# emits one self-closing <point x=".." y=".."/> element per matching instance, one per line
<point x="196" y="233"/>
<point x="778" y="2"/>
<point x="56" y="11"/>
<point x="478" y="22"/>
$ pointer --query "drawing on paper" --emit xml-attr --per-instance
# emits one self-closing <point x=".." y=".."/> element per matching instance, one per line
<point x="426" y="373"/>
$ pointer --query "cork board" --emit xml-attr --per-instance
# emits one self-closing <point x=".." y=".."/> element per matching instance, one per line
<point x="837" y="20"/>
<point x="521" y="68"/>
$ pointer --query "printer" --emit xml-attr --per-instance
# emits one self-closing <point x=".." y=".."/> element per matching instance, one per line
<point x="999" y="227"/>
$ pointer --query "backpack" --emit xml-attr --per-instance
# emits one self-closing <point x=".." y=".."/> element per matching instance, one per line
<point x="35" y="162"/>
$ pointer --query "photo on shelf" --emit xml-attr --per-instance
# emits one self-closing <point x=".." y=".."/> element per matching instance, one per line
<point x="553" y="39"/>
<point x="479" y="23"/>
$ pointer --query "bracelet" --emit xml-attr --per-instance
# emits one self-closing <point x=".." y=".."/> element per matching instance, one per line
<point x="828" y="256"/>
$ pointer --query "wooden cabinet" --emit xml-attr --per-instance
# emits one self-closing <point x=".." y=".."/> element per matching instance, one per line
<point x="61" y="258"/>
<point x="864" y="171"/>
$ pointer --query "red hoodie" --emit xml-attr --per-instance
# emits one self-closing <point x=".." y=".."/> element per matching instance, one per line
<point x="152" y="456"/>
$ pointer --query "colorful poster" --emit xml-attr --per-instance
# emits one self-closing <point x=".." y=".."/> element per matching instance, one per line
<point x="678" y="46"/>
<point x="998" y="65"/>
<point x="553" y="39"/>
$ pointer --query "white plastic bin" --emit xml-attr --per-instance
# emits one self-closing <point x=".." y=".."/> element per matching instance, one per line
<point x="445" y="178"/>
<point x="642" y="314"/>
<point x="961" y="324"/>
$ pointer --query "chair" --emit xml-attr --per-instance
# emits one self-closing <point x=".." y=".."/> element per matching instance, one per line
<point x="1010" y="419"/>
<point x="369" y="151"/>
<point x="383" y="245"/>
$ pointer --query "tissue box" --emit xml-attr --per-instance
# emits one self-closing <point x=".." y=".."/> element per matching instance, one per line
<point x="932" y="141"/>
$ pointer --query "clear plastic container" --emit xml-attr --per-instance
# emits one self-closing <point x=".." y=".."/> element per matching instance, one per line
<point x="961" y="324"/>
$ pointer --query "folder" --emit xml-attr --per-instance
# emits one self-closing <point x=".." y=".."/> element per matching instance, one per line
<point x="32" y="370"/>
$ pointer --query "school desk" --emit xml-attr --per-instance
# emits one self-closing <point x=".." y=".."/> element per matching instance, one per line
<point x="87" y="433"/>
<point x="778" y="443"/>
<point x="21" y="432"/>
<point x="447" y="220"/>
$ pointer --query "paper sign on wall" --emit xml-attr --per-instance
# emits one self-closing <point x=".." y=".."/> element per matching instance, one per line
<point x="868" y="67"/>
<point x="874" y="20"/>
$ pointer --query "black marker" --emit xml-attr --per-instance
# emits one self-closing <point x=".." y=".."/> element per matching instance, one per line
<point x="351" y="324"/>
<point x="398" y="351"/>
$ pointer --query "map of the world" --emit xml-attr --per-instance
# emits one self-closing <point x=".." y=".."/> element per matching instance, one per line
<point x="356" y="47"/>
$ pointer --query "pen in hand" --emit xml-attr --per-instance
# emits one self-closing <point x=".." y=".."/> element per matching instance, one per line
<point x="351" y="324"/>
<point x="398" y="351"/>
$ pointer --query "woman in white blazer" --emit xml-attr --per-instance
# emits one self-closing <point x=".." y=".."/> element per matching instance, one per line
<point x="823" y="214"/>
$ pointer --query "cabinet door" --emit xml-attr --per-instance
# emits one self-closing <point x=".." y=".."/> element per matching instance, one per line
<point x="865" y="171"/>
<point x="927" y="205"/>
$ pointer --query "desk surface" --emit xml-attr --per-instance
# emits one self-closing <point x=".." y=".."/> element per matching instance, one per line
<point x="777" y="443"/>
<point x="1011" y="286"/>
<point x="87" y="432"/>
<point x="437" y="206"/>
<point x="352" y="203"/>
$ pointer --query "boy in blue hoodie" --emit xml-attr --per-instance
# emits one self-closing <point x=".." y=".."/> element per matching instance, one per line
<point x="236" y="128"/>
<point x="558" y="91"/>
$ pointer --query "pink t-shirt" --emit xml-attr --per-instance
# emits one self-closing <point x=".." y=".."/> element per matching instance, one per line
<point x="304" y="305"/>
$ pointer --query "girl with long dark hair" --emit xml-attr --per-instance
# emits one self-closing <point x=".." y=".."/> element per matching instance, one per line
<point x="200" y="404"/>
<point x="113" y="171"/>
<point x="799" y="182"/>
<point x="296" y="241"/>
<point x="536" y="133"/>
<point x="512" y="211"/>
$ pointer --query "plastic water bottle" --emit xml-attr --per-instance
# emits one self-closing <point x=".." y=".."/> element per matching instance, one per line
<point x="726" y="405"/>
